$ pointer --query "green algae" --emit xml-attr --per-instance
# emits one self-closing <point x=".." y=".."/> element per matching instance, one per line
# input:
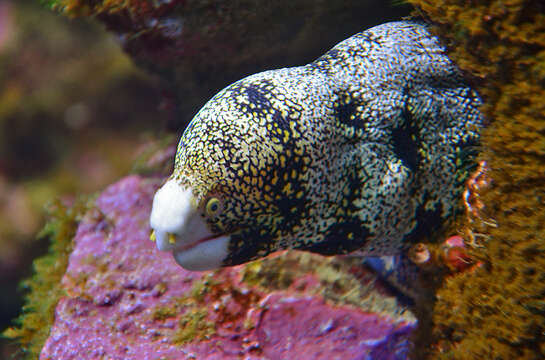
<point x="497" y="310"/>
<point x="193" y="325"/>
<point x="191" y="311"/>
<point x="338" y="281"/>
<point x="33" y="325"/>
<point x="163" y="313"/>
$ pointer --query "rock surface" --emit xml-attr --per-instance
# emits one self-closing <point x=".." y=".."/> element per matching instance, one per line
<point x="126" y="300"/>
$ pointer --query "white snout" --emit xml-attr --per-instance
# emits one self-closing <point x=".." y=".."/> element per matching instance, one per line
<point x="180" y="228"/>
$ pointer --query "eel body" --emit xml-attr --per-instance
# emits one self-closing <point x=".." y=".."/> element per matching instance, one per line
<point x="365" y="149"/>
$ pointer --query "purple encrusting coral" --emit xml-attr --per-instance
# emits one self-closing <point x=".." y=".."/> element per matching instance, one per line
<point x="126" y="300"/>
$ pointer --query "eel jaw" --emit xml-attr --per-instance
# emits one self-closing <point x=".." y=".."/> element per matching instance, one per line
<point x="177" y="226"/>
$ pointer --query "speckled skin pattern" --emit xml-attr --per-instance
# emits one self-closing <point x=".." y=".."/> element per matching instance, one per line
<point x="366" y="148"/>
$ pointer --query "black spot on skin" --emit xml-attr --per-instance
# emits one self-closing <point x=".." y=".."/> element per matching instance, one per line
<point x="405" y="142"/>
<point x="292" y="210"/>
<point x="428" y="222"/>
<point x="347" y="111"/>
<point x="245" y="247"/>
<point x="282" y="122"/>
<point x="337" y="239"/>
<point x="344" y="111"/>
<point x="256" y="96"/>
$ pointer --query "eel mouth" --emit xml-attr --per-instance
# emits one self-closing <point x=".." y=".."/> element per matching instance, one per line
<point x="179" y="227"/>
<point x="198" y="242"/>
<point x="207" y="253"/>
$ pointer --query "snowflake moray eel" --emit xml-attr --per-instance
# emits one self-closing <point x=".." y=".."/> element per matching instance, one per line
<point x="365" y="149"/>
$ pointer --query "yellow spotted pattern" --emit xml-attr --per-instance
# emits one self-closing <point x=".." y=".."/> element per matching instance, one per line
<point x="365" y="148"/>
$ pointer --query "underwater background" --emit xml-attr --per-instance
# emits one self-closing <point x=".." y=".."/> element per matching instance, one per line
<point x="64" y="130"/>
<point x="92" y="91"/>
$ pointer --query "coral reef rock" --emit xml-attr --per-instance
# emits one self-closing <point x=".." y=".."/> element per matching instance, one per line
<point x="126" y="300"/>
<point x="498" y="310"/>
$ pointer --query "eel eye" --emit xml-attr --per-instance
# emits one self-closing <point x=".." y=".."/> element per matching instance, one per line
<point x="213" y="207"/>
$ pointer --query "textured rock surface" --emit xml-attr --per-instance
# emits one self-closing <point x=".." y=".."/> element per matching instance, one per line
<point x="126" y="300"/>
<point x="499" y="308"/>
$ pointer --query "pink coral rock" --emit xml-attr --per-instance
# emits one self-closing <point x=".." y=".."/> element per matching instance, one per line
<point x="126" y="300"/>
